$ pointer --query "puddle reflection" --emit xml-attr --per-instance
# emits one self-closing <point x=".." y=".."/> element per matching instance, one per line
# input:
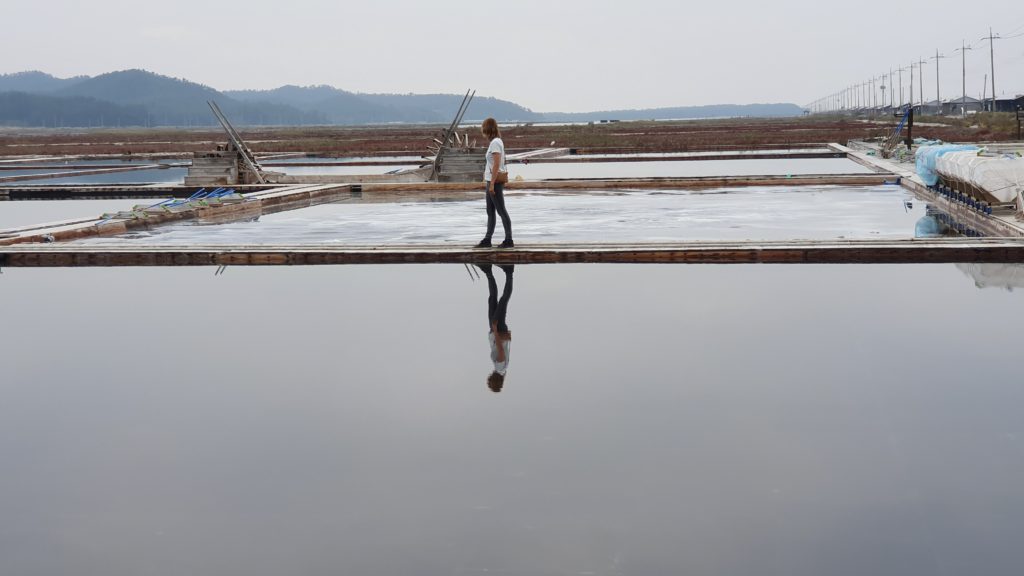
<point x="784" y="420"/>
<point x="499" y="336"/>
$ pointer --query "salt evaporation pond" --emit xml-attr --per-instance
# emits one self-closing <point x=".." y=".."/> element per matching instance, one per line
<point x="30" y="172"/>
<point x="685" y="168"/>
<point x="770" y="213"/>
<point x="531" y="171"/>
<point x="118" y="162"/>
<point x="155" y="176"/>
<point x="708" y="153"/>
<point x="342" y="159"/>
<point x="21" y="213"/>
<point x="341" y="170"/>
<point x="770" y="420"/>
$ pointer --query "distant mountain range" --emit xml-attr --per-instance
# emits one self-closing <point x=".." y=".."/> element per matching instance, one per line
<point x="142" y="98"/>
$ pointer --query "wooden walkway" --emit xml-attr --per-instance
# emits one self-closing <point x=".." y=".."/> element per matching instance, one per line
<point x="791" y="252"/>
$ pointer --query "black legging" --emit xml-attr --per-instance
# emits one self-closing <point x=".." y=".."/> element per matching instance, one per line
<point x="496" y="203"/>
<point x="498" y="308"/>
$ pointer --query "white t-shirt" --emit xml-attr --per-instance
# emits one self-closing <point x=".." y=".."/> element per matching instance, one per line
<point x="496" y="147"/>
<point x="499" y="367"/>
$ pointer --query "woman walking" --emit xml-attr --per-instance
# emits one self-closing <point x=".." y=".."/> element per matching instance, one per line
<point x="495" y="175"/>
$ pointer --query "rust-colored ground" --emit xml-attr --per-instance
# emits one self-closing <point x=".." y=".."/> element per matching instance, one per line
<point x="731" y="134"/>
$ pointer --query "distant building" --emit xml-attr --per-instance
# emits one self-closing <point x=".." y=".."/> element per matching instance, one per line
<point x="1009" y="104"/>
<point x="960" y="106"/>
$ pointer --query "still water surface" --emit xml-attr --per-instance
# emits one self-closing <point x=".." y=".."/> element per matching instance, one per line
<point x="21" y="213"/>
<point x="664" y="169"/>
<point x="686" y="168"/>
<point x="773" y="213"/>
<point x="769" y="420"/>
<point x="155" y="175"/>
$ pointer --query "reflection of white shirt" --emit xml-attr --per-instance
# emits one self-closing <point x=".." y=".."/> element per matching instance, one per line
<point x="499" y="367"/>
<point x="496" y="147"/>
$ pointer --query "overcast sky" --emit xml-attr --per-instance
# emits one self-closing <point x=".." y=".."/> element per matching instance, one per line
<point x="564" y="55"/>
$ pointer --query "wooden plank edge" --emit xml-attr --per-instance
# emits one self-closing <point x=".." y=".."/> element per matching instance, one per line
<point x="907" y="254"/>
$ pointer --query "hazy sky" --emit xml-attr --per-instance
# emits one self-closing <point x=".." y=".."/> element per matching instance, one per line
<point x="569" y="55"/>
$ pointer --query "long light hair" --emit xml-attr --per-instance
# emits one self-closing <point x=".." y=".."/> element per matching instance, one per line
<point x="490" y="129"/>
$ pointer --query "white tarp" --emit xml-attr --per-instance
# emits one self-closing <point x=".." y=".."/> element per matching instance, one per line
<point x="1005" y="276"/>
<point x="1000" y="176"/>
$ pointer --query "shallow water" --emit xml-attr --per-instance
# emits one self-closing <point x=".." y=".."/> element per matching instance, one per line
<point x="340" y="170"/>
<point x="31" y="172"/>
<point x="319" y="159"/>
<point x="156" y="176"/>
<point x="686" y="168"/>
<point x="697" y="154"/>
<point x="97" y="163"/>
<point x="534" y="171"/>
<point x="770" y="213"/>
<point x="21" y="213"/>
<point x="770" y="420"/>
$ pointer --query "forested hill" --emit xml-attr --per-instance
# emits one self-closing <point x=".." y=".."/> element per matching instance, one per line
<point x="142" y="98"/>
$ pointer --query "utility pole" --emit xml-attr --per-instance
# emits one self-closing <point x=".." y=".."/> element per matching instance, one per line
<point x="920" y="76"/>
<point x="901" y="86"/>
<point x="882" y="87"/>
<point x="938" y="99"/>
<point x="992" y="60"/>
<point x="911" y="85"/>
<point x="892" y="93"/>
<point x="963" y="59"/>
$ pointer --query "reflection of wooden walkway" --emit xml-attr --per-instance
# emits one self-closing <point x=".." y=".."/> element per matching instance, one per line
<point x="792" y="252"/>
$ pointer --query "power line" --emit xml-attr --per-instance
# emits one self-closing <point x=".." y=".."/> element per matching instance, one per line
<point x="861" y="96"/>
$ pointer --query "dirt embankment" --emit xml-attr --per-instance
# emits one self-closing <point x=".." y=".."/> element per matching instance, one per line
<point x="731" y="134"/>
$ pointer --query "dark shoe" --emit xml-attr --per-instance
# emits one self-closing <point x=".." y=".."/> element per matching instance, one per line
<point x="508" y="243"/>
<point x="485" y="243"/>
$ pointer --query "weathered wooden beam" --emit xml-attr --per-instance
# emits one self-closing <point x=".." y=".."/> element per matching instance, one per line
<point x="803" y="252"/>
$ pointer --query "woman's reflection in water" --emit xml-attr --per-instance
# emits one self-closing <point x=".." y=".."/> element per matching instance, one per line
<point x="500" y="337"/>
